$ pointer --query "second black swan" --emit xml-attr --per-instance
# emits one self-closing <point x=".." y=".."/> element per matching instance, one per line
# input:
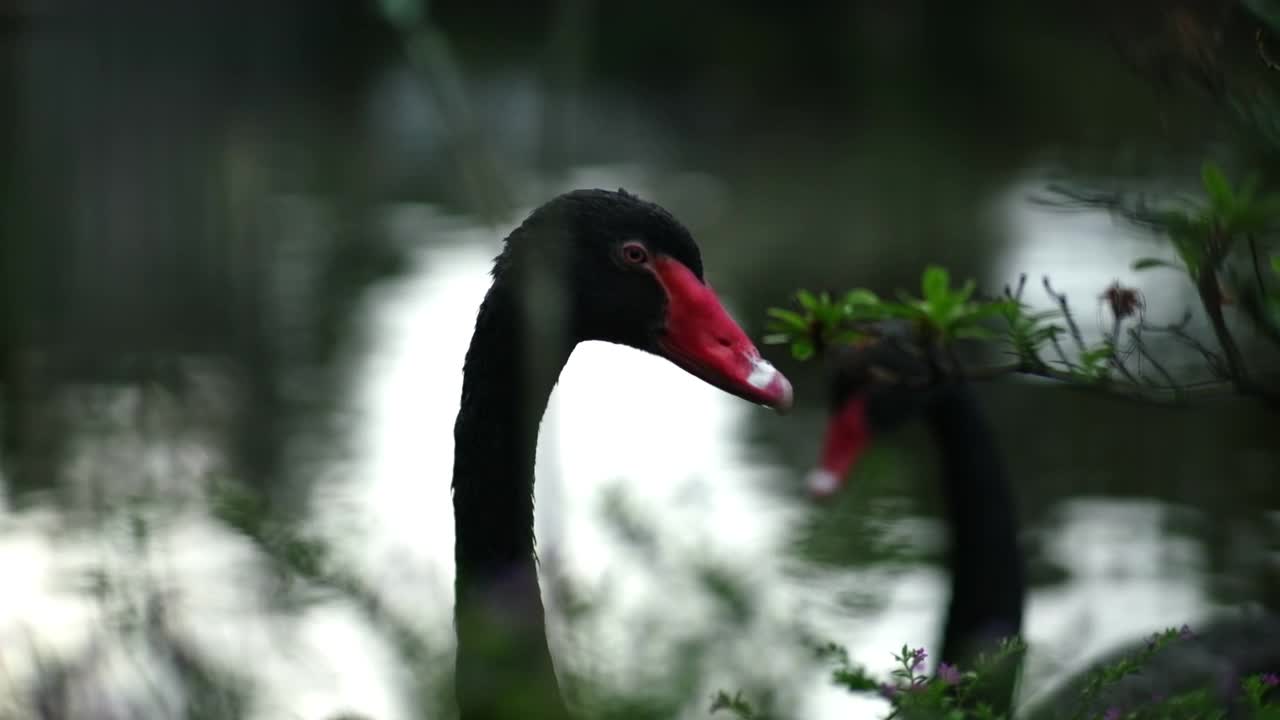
<point x="875" y="388"/>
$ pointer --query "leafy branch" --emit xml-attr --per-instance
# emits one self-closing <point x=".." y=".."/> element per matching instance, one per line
<point x="1226" y="224"/>
<point x="956" y="693"/>
<point x="942" y="314"/>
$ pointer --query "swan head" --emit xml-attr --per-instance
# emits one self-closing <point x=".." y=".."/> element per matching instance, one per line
<point x="876" y="385"/>
<point x="615" y="268"/>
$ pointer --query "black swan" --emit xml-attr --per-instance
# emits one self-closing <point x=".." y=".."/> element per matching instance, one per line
<point x="587" y="265"/>
<point x="877" y="386"/>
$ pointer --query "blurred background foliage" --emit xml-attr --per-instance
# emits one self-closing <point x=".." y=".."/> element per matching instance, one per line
<point x="202" y="205"/>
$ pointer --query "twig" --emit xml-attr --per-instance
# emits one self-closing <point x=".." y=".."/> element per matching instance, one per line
<point x="1113" y="337"/>
<point x="1125" y="391"/>
<point x="1061" y="300"/>
<point x="1117" y="357"/>
<point x="1062" y="354"/>
<point x="1257" y="265"/>
<point x="1066" y="199"/>
<point x="1118" y="363"/>
<point x="1016" y="296"/>
<point x="1178" y="330"/>
<point x="1211" y="299"/>
<point x="1174" y="395"/>
<point x="1170" y="383"/>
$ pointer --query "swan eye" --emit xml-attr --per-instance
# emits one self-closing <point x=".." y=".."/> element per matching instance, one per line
<point x="635" y="253"/>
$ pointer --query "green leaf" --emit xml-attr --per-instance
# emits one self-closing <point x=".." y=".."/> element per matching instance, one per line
<point x="975" y="332"/>
<point x="861" y="297"/>
<point x="944" y="312"/>
<point x="998" y="307"/>
<point x="1190" y="249"/>
<point x="802" y="349"/>
<point x="847" y="336"/>
<point x="807" y="299"/>
<point x="777" y="339"/>
<point x="901" y="310"/>
<point x="1249" y="219"/>
<point x="1043" y="315"/>
<point x="966" y="291"/>
<point x="1215" y="184"/>
<point x="934" y="283"/>
<point x="1148" y="263"/>
<point x="1275" y="264"/>
<point x="878" y="311"/>
<point x="827" y="314"/>
<point x="789" y="319"/>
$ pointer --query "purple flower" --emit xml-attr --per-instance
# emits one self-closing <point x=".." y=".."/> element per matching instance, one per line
<point x="950" y="674"/>
<point x="887" y="691"/>
<point x="1185" y="632"/>
<point x="1271" y="680"/>
<point x="917" y="659"/>
<point x="1112" y="713"/>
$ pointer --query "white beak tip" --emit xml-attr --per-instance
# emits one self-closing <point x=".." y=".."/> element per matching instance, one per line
<point x="822" y="483"/>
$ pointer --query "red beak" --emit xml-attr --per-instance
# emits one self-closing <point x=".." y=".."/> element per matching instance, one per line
<point x="848" y="437"/>
<point x="700" y="337"/>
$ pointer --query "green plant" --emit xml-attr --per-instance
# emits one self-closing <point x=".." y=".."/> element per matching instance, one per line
<point x="1214" y="235"/>
<point x="1204" y="231"/>
<point x="951" y="693"/>
<point x="942" y="313"/>
<point x="1028" y="332"/>
<point x="819" y="322"/>
<point x="1211" y="225"/>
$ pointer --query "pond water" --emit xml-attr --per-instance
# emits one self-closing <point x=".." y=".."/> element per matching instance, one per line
<point x="1137" y="518"/>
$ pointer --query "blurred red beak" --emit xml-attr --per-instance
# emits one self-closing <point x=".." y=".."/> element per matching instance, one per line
<point x="848" y="437"/>
<point x="700" y="337"/>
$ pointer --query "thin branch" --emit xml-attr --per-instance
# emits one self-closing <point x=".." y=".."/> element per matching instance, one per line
<point x="1062" y="354"/>
<point x="1253" y="305"/>
<point x="1061" y="300"/>
<point x="1179" y="396"/>
<point x="1116" y="357"/>
<point x="1072" y="380"/>
<point x="1257" y="265"/>
<point x="1178" y="331"/>
<point x="1211" y="298"/>
<point x="1016" y="296"/>
<point x="1118" y="363"/>
<point x="1170" y="383"/>
<point x="1113" y="336"/>
<point x="1068" y="199"/>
